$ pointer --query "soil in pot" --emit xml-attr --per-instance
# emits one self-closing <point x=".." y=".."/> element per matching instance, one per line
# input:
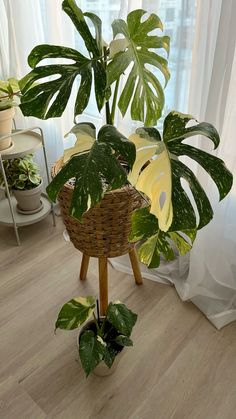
<point x="28" y="200"/>
<point x="102" y="369"/>
<point x="6" y="118"/>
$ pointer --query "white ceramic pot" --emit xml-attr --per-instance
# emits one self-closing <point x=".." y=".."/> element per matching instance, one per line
<point x="6" y="119"/>
<point x="29" y="200"/>
<point x="102" y="369"/>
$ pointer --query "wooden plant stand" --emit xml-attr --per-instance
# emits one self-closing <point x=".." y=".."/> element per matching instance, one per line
<point x="103" y="276"/>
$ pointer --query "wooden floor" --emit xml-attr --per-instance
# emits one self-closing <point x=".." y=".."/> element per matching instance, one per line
<point x="180" y="367"/>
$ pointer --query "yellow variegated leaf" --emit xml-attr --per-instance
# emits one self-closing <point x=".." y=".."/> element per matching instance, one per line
<point x="145" y="150"/>
<point x="155" y="179"/>
<point x="85" y="301"/>
<point x="117" y="45"/>
<point x="85" y="134"/>
<point x="82" y="144"/>
<point x="155" y="182"/>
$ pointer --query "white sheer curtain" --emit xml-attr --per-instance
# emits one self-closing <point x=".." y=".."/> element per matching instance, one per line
<point x="211" y="283"/>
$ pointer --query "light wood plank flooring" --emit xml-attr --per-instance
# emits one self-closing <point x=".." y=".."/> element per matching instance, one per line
<point x="180" y="367"/>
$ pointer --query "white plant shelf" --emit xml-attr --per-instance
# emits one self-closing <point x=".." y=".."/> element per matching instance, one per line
<point x="22" y="219"/>
<point x="24" y="142"/>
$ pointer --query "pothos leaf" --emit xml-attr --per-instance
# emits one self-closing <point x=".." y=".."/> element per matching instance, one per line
<point x="121" y="318"/>
<point x="75" y="312"/>
<point x="91" y="351"/>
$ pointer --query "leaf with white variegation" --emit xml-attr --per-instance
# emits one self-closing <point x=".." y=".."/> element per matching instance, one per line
<point x="48" y="99"/>
<point x="142" y="88"/>
<point x="91" y="351"/>
<point x="85" y="134"/>
<point x="167" y="186"/>
<point x="155" y="179"/>
<point x="121" y="318"/>
<point x="156" y="242"/>
<point x="75" y="312"/>
<point x="96" y="171"/>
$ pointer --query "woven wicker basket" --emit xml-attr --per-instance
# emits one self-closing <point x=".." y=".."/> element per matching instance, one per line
<point x="105" y="228"/>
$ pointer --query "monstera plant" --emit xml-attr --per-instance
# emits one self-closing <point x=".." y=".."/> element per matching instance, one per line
<point x="102" y="162"/>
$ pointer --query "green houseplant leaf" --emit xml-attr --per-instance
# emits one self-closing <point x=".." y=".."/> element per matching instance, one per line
<point x="174" y="198"/>
<point x="157" y="243"/>
<point x="49" y="98"/>
<point x="91" y="351"/>
<point x="121" y="318"/>
<point x="75" y="312"/>
<point x="142" y="87"/>
<point x="96" y="171"/>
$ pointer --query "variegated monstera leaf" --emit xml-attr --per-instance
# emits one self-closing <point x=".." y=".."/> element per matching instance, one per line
<point x="93" y="165"/>
<point x="138" y="49"/>
<point x="155" y="242"/>
<point x="48" y="99"/>
<point x="160" y="180"/>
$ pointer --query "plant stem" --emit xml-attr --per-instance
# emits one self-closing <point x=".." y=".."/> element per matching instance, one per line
<point x="108" y="113"/>
<point x="97" y="325"/>
<point x="113" y="108"/>
<point x="98" y="313"/>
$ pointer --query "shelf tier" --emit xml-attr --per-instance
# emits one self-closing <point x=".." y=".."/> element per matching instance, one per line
<point x="22" y="219"/>
<point x="23" y="143"/>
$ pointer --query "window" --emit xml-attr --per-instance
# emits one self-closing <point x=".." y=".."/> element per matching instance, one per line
<point x="170" y="14"/>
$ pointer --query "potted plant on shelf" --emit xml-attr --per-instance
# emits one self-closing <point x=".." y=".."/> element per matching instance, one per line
<point x="9" y="98"/>
<point x="98" y="220"/>
<point x="101" y="339"/>
<point x="25" y="183"/>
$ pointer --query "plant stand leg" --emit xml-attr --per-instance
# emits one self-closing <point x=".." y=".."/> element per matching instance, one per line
<point x="103" y="285"/>
<point x="84" y="267"/>
<point x="9" y="201"/>
<point x="135" y="266"/>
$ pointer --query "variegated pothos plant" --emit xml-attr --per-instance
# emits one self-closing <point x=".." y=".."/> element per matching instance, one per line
<point x="153" y="164"/>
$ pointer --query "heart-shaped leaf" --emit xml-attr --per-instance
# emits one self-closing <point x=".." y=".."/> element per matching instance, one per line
<point x="109" y="355"/>
<point x="121" y="318"/>
<point x="142" y="87"/>
<point x="91" y="351"/>
<point x="123" y="341"/>
<point x="75" y="312"/>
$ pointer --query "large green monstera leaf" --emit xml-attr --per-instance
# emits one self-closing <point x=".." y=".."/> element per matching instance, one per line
<point x="94" y="166"/>
<point x="161" y="179"/>
<point x="48" y="99"/>
<point x="155" y="242"/>
<point x="136" y="47"/>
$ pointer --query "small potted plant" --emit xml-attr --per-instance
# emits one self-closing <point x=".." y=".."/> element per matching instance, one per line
<point x="25" y="183"/>
<point x="9" y="98"/>
<point x="101" y="339"/>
